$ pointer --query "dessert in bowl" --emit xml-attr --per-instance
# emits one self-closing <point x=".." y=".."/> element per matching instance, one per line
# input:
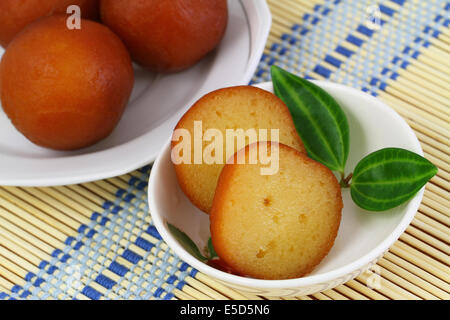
<point x="363" y="236"/>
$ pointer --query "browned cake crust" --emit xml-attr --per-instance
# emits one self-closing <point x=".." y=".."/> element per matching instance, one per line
<point x="279" y="226"/>
<point x="241" y="107"/>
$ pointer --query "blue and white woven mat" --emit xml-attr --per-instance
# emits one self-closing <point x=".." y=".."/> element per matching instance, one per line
<point x="97" y="240"/>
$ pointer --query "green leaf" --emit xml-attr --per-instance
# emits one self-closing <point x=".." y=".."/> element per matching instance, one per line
<point x="186" y="242"/>
<point x="212" y="251"/>
<point x="389" y="177"/>
<point x="318" y="118"/>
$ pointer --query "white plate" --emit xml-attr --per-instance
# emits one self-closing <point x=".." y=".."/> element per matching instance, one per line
<point x="363" y="236"/>
<point x="157" y="103"/>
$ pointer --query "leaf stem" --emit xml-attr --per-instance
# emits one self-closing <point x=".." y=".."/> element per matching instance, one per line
<point x="345" y="181"/>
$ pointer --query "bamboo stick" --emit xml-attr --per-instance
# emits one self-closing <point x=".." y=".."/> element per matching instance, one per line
<point x="13" y="203"/>
<point x="363" y="289"/>
<point x="44" y="246"/>
<point x="335" y="295"/>
<point x="433" y="215"/>
<point x="426" y="248"/>
<point x="408" y="286"/>
<point x="388" y="288"/>
<point x="432" y="241"/>
<point x="410" y="277"/>
<point x="5" y="283"/>
<point x="350" y="293"/>
<point x="78" y="189"/>
<point x="420" y="259"/>
<point x="434" y="228"/>
<point x="321" y="296"/>
<point x="435" y="205"/>
<point x="440" y="199"/>
<point x="222" y="288"/>
<point x="410" y="265"/>
<point x="68" y="221"/>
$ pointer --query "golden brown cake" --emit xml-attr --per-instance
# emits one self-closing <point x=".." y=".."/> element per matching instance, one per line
<point x="241" y="107"/>
<point x="275" y="226"/>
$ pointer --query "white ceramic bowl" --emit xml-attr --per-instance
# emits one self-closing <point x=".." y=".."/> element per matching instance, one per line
<point x="363" y="236"/>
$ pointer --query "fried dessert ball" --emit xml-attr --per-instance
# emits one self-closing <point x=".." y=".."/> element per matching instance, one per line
<point x="275" y="226"/>
<point x="223" y="111"/>
<point x="16" y="15"/>
<point x="167" y="36"/>
<point x="65" y="89"/>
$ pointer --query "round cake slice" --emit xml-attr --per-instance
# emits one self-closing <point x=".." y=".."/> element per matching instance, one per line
<point x="276" y="226"/>
<point x="219" y="124"/>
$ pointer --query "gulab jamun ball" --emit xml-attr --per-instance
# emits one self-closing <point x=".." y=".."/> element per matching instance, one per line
<point x="275" y="226"/>
<point x="167" y="36"/>
<point x="65" y="89"/>
<point x="234" y="108"/>
<point x="17" y="14"/>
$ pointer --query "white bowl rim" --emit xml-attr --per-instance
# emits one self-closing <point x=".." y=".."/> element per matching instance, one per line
<point x="307" y="280"/>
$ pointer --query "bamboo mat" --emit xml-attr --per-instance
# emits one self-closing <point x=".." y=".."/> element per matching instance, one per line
<point x="97" y="241"/>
